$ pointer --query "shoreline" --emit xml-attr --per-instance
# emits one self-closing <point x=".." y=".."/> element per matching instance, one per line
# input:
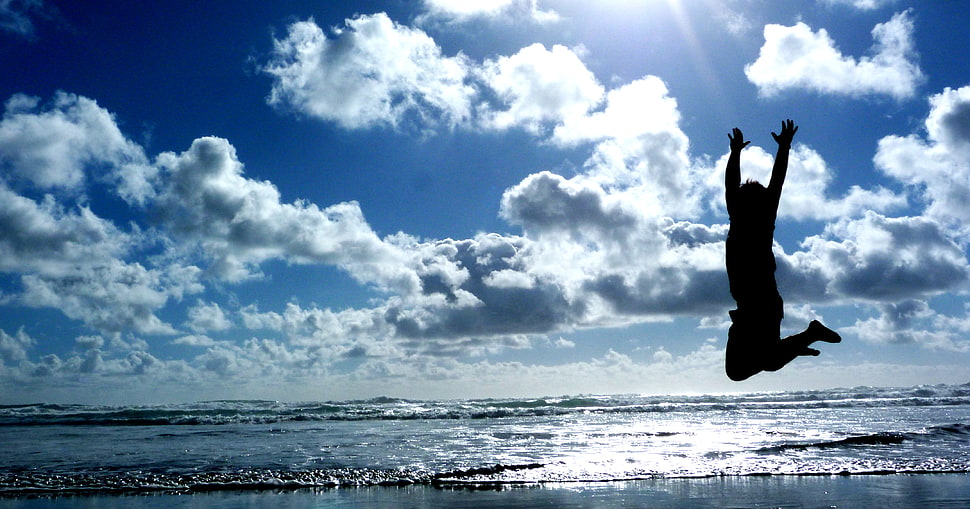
<point x="439" y="481"/>
<point x="908" y="489"/>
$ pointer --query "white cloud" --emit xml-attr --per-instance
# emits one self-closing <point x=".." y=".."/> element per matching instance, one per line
<point x="613" y="261"/>
<point x="662" y="356"/>
<point x="89" y="342"/>
<point x="912" y="321"/>
<point x="861" y="4"/>
<point x="641" y="154"/>
<point x="796" y="57"/>
<point x="468" y="8"/>
<point x="642" y="107"/>
<point x="257" y="359"/>
<point x="13" y="349"/>
<point x="494" y="292"/>
<point x="884" y="259"/>
<point x="43" y="237"/>
<point x="207" y="317"/>
<point x="546" y="202"/>
<point x="938" y="166"/>
<point x="462" y="10"/>
<point x="239" y="222"/>
<point x="74" y="262"/>
<point x="51" y="147"/>
<point x="143" y="372"/>
<point x="377" y="72"/>
<point x="807" y="190"/>
<point x="471" y="309"/>
<point x="111" y="296"/>
<point x="540" y="86"/>
<point x="509" y="279"/>
<point x="320" y="327"/>
<point x="194" y="340"/>
<point x="372" y="72"/>
<point x="563" y="343"/>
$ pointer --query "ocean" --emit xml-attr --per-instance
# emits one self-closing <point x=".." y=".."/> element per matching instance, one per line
<point x="213" y="446"/>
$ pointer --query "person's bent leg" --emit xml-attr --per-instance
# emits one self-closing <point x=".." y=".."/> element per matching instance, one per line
<point x="742" y="358"/>
<point x="815" y="332"/>
<point x="823" y="333"/>
<point x="797" y="345"/>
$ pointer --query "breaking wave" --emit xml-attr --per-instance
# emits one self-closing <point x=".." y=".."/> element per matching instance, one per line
<point x="385" y="408"/>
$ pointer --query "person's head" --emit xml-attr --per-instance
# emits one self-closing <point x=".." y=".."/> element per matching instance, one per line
<point x="751" y="194"/>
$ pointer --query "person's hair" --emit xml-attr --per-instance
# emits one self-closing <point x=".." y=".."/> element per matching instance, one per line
<point x="750" y="195"/>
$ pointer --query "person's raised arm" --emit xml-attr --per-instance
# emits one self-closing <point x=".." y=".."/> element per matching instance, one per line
<point x="780" y="169"/>
<point x="732" y="174"/>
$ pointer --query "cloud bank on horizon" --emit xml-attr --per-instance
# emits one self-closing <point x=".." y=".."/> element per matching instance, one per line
<point x="633" y="235"/>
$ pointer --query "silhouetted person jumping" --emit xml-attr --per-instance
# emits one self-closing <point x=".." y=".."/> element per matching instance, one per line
<point x="754" y="339"/>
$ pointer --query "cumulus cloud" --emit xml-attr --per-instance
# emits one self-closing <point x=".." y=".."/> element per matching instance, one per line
<point x="641" y="107"/>
<point x="66" y="256"/>
<point x="333" y="331"/>
<point x="86" y="343"/>
<point x="547" y="91"/>
<point x="240" y="222"/>
<point x="617" y="256"/>
<point x="13" y="348"/>
<point x="592" y="254"/>
<point x="74" y="261"/>
<point x="495" y="292"/>
<point x="807" y="193"/>
<point x="207" y="317"/>
<point x="563" y="343"/>
<point x="257" y="358"/>
<point x="371" y="72"/>
<point x="51" y="146"/>
<point x="458" y="10"/>
<point x="194" y="340"/>
<point x="467" y="307"/>
<point x="375" y="72"/>
<point x="639" y="148"/>
<point x="546" y="202"/>
<point x="796" y="57"/>
<point x="937" y="166"/>
<point x="912" y="321"/>
<point x="883" y="259"/>
<point x="111" y="296"/>
<point x="104" y="367"/>
<point x="44" y="237"/>
<point x="605" y="247"/>
<point x="539" y="86"/>
<point x="861" y="4"/>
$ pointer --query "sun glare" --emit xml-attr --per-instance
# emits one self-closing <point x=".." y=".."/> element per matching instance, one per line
<point x="633" y="4"/>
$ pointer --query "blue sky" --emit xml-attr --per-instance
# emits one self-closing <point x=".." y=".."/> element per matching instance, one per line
<point x="427" y="199"/>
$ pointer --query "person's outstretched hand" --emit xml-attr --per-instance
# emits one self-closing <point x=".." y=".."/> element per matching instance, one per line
<point x="737" y="141"/>
<point x="788" y="130"/>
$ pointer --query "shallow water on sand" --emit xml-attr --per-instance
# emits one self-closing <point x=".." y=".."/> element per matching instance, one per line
<point x="884" y="491"/>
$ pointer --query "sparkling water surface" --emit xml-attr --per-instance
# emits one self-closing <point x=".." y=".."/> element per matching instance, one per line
<point x="260" y="444"/>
